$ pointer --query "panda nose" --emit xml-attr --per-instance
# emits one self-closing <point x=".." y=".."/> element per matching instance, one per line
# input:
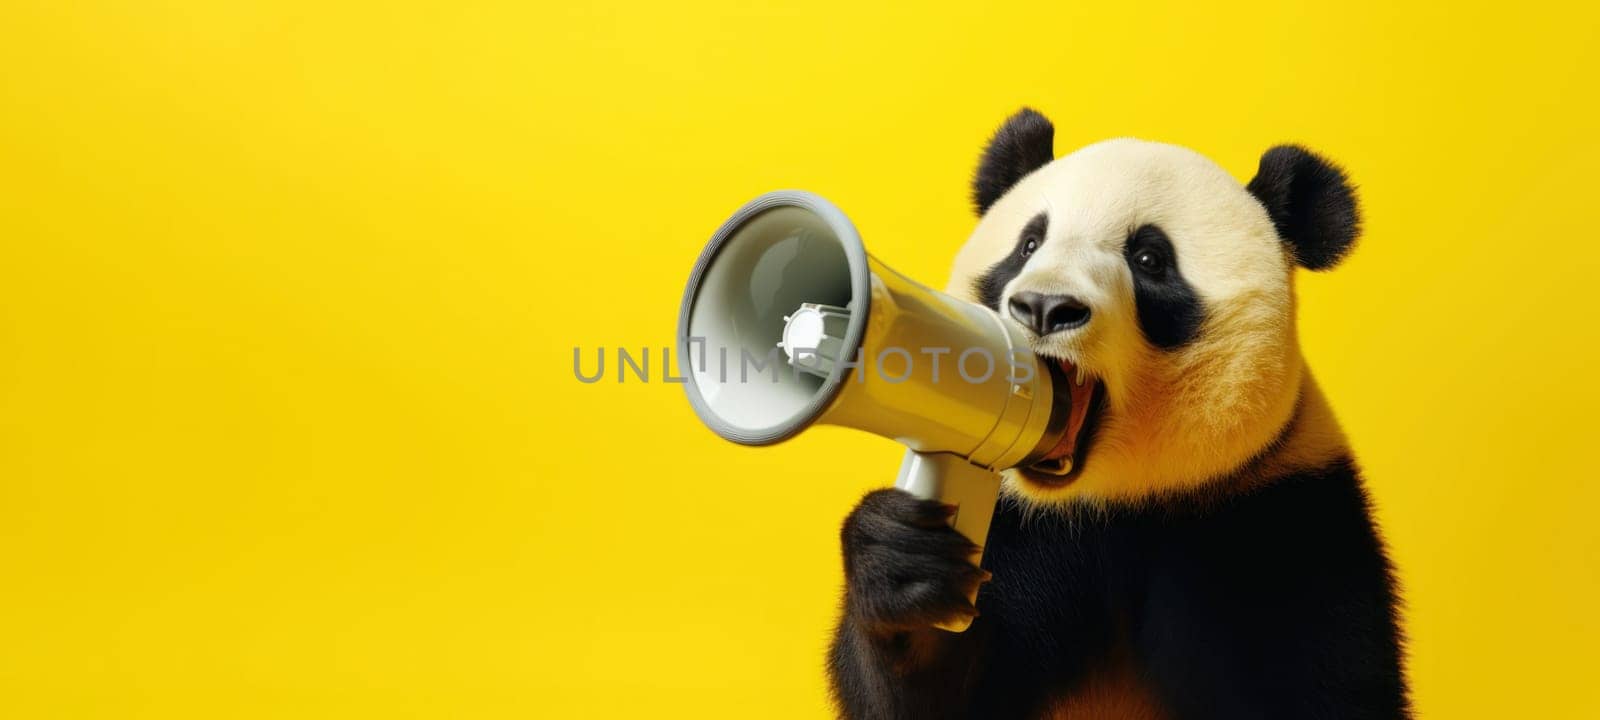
<point x="1046" y="314"/>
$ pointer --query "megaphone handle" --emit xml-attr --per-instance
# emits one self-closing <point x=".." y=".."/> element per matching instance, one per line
<point x="950" y="479"/>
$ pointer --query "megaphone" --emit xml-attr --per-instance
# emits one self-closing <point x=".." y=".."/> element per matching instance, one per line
<point x="786" y="289"/>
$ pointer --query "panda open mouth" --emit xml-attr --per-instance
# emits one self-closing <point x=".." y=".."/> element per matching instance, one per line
<point x="1062" y="463"/>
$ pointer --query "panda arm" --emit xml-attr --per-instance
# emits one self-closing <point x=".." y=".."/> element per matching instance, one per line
<point x="914" y="674"/>
<point x="906" y="569"/>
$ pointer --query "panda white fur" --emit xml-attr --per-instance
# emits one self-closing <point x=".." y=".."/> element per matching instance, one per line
<point x="1212" y="553"/>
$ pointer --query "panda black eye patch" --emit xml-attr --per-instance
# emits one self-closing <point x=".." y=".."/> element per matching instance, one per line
<point x="1168" y="308"/>
<point x="992" y="284"/>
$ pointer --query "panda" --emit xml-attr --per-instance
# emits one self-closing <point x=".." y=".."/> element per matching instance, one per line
<point x="1211" y="553"/>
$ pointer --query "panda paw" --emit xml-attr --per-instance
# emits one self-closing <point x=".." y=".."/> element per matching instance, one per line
<point x="905" y="567"/>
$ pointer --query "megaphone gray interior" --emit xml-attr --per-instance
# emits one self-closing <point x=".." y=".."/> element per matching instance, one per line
<point x="780" y="251"/>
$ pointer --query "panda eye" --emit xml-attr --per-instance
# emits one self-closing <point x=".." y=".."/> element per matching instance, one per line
<point x="1032" y="236"/>
<point x="1151" y="261"/>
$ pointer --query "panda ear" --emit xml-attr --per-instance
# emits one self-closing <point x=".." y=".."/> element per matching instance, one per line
<point x="1025" y="143"/>
<point x="1311" y="203"/>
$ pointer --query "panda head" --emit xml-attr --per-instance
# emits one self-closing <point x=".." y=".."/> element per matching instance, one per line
<point x="1149" y="272"/>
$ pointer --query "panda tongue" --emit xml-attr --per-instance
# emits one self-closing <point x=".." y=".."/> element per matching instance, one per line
<point x="1076" y="413"/>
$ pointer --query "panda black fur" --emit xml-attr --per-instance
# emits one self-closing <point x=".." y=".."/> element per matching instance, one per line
<point x="1213" y="554"/>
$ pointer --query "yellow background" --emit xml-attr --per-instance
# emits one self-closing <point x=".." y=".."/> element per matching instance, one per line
<point x="289" y="292"/>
